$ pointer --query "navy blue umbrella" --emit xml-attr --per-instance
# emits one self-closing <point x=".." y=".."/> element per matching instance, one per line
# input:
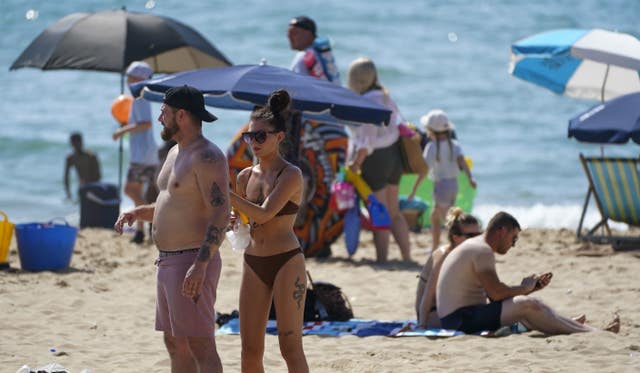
<point x="244" y="86"/>
<point x="612" y="122"/>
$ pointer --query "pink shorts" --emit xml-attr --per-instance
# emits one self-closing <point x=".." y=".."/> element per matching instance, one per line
<point x="445" y="192"/>
<point x="177" y="314"/>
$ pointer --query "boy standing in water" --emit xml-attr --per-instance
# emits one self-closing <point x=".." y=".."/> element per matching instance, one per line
<point x="85" y="162"/>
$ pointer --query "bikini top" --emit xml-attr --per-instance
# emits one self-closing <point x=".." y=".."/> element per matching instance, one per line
<point x="290" y="208"/>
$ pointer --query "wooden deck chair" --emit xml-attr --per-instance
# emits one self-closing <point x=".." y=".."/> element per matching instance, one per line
<point x="615" y="185"/>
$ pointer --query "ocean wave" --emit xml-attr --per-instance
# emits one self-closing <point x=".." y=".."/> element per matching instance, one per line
<point x="546" y="215"/>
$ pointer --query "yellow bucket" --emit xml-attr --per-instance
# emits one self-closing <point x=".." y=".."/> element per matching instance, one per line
<point x="6" y="231"/>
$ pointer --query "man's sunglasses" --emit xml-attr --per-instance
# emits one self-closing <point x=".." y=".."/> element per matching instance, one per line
<point x="258" y="136"/>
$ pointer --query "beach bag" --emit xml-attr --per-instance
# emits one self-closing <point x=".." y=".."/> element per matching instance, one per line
<point x="411" y="154"/>
<point x="331" y="302"/>
<point x="324" y="302"/>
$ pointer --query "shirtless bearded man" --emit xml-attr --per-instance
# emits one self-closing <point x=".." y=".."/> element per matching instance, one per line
<point x="189" y="218"/>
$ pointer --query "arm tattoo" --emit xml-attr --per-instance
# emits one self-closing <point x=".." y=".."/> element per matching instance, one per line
<point x="209" y="156"/>
<point x="204" y="254"/>
<point x="216" y="198"/>
<point x="299" y="292"/>
<point x="213" y="235"/>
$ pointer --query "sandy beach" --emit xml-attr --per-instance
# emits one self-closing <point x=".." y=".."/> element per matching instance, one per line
<point x="99" y="314"/>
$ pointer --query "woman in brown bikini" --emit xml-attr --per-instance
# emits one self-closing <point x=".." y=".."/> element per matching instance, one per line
<point x="269" y="193"/>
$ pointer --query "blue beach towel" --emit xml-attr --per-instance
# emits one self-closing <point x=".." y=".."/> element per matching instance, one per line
<point x="366" y="328"/>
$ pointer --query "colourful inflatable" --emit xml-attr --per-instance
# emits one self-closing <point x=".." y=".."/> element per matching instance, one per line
<point x="352" y="224"/>
<point x="464" y="200"/>
<point x="323" y="152"/>
<point x="378" y="214"/>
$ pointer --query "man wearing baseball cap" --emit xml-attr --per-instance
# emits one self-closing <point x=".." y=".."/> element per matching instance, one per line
<point x="143" y="157"/>
<point x="189" y="218"/>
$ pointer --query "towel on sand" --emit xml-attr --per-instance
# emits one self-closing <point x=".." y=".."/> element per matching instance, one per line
<point x="364" y="328"/>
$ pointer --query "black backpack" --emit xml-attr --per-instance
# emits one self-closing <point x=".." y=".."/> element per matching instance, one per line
<point x="324" y="302"/>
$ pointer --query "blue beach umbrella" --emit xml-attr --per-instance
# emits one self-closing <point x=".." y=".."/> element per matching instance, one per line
<point x="613" y="122"/>
<point x="591" y="64"/>
<point x="244" y="86"/>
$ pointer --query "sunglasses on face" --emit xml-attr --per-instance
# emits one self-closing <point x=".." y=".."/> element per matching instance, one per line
<point x="258" y="136"/>
<point x="470" y="234"/>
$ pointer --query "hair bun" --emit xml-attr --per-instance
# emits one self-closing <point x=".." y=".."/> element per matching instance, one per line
<point x="453" y="214"/>
<point x="279" y="101"/>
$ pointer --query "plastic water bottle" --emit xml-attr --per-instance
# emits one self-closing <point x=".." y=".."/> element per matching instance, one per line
<point x="24" y="369"/>
<point x="239" y="236"/>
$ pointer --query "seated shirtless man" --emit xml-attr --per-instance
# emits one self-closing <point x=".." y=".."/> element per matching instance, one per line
<point x="189" y="218"/>
<point x="468" y="277"/>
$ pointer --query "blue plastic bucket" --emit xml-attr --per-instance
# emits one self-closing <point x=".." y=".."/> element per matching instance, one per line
<point x="45" y="246"/>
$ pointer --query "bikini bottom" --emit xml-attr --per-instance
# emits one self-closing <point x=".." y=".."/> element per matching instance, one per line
<point x="267" y="267"/>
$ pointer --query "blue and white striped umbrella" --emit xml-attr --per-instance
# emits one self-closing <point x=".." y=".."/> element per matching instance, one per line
<point x="591" y="64"/>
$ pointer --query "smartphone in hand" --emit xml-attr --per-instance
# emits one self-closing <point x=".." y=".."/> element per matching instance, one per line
<point x="543" y="280"/>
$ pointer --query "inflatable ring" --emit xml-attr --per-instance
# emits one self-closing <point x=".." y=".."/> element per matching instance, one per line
<point x="323" y="152"/>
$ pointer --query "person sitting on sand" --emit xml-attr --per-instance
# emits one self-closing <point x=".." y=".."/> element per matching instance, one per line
<point x="468" y="277"/>
<point x="460" y="227"/>
<point x="85" y="162"/>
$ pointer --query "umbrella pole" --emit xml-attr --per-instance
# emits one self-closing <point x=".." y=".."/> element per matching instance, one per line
<point x="604" y="84"/>
<point x="120" y="145"/>
<point x="120" y="167"/>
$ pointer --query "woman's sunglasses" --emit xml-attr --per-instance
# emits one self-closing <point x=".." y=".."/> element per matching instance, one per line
<point x="258" y="136"/>
<point x="470" y="234"/>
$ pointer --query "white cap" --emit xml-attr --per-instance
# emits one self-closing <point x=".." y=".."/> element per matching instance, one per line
<point x="436" y="121"/>
<point x="140" y="70"/>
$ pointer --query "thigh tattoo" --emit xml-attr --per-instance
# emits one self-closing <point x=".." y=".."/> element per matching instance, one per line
<point x="299" y="292"/>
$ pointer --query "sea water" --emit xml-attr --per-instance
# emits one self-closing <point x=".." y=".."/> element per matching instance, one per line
<point x="452" y="55"/>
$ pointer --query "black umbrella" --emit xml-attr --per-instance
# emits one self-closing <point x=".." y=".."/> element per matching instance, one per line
<point x="111" y="40"/>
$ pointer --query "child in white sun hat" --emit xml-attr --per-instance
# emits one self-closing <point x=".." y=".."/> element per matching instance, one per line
<point x="445" y="159"/>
